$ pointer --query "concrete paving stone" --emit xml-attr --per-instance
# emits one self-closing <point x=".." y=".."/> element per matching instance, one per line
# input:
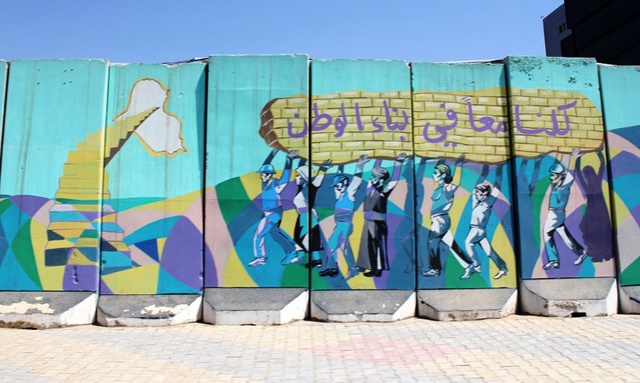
<point x="514" y="348"/>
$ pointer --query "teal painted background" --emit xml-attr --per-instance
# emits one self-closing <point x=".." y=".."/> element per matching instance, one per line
<point x="51" y="106"/>
<point x="453" y="77"/>
<point x="333" y="76"/>
<point x="239" y="87"/>
<point x="568" y="74"/>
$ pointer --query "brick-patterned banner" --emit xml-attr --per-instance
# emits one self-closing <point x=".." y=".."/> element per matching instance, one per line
<point x="446" y="124"/>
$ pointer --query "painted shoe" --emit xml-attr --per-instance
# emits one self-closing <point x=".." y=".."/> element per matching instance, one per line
<point x="581" y="258"/>
<point x="313" y="263"/>
<point x="329" y="273"/>
<point x="431" y="273"/>
<point x="258" y="262"/>
<point x="292" y="257"/>
<point x="352" y="273"/>
<point x="501" y="273"/>
<point x="373" y="273"/>
<point x="468" y="272"/>
<point x="551" y="265"/>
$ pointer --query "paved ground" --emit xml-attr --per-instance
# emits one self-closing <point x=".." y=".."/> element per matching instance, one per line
<point x="514" y="349"/>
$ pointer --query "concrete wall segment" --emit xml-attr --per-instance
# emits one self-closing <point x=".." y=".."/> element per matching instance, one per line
<point x="48" y="243"/>
<point x="622" y="119"/>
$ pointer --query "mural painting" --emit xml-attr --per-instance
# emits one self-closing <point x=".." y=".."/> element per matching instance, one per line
<point x="560" y="168"/>
<point x="620" y="88"/>
<point x="152" y="211"/>
<point x="463" y="189"/>
<point x="258" y="217"/>
<point x="379" y="177"/>
<point x="51" y="181"/>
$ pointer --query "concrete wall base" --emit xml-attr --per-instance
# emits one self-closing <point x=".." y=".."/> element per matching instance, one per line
<point x="362" y="305"/>
<point x="466" y="304"/>
<point x="148" y="310"/>
<point x="629" y="299"/>
<point x="257" y="306"/>
<point x="47" y="309"/>
<point x="569" y="297"/>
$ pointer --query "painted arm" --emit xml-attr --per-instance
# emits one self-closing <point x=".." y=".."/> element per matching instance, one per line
<point x="302" y="162"/>
<point x="575" y="154"/>
<point x="357" y="178"/>
<point x="395" y="176"/>
<point x="495" y="191"/>
<point x="319" y="177"/>
<point x="286" y="174"/>
<point x="375" y="165"/>
<point x="483" y="174"/>
<point x="422" y="166"/>
<point x="536" y="174"/>
<point x="457" y="176"/>
<point x="270" y="157"/>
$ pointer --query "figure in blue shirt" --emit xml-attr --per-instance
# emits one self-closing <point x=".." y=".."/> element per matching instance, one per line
<point x="440" y="239"/>
<point x="272" y="210"/>
<point x="345" y="192"/>
<point x="561" y="181"/>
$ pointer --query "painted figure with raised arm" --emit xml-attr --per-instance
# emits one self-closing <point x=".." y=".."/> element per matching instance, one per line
<point x="440" y="239"/>
<point x="307" y="234"/>
<point x="272" y="209"/>
<point x="561" y="181"/>
<point x="373" y="254"/>
<point x="345" y="193"/>
<point x="484" y="196"/>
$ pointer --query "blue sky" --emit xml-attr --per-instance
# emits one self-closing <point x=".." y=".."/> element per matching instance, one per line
<point x="146" y="31"/>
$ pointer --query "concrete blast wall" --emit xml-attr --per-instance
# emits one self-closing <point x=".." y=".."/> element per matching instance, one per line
<point x="318" y="176"/>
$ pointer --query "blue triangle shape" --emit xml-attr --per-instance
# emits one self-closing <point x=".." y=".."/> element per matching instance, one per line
<point x="149" y="247"/>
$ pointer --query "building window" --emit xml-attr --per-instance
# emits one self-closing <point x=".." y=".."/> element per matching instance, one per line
<point x="562" y="27"/>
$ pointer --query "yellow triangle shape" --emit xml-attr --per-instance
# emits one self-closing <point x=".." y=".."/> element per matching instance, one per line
<point x="137" y="280"/>
<point x="160" y="244"/>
